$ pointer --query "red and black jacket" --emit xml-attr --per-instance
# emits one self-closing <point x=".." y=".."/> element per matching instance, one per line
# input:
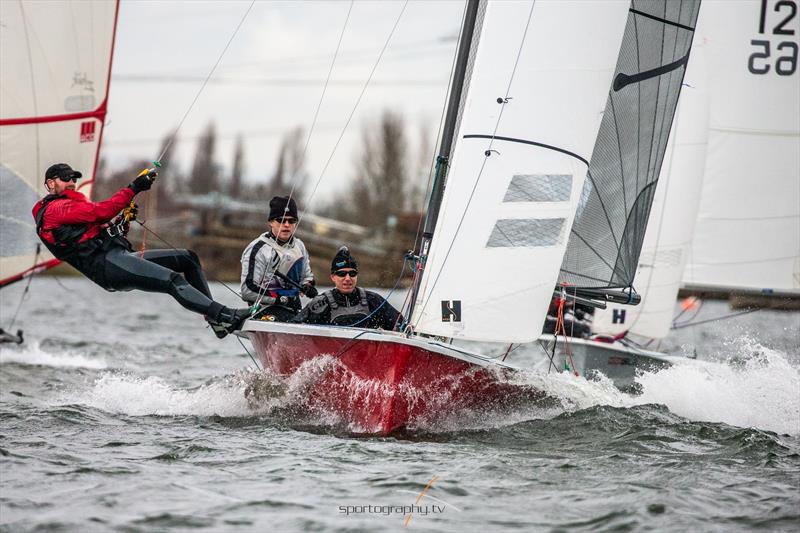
<point x="72" y="227"/>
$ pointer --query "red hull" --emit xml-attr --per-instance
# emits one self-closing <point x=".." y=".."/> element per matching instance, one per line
<point x="379" y="382"/>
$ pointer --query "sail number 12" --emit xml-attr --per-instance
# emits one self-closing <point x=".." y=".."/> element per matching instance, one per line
<point x="785" y="52"/>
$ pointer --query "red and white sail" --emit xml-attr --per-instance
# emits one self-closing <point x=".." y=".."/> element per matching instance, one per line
<point x="55" y="66"/>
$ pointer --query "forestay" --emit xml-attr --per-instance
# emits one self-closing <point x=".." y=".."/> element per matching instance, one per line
<point x="673" y="214"/>
<point x="518" y="166"/>
<point x="607" y="236"/>
<point x="55" y="61"/>
<point x="748" y="229"/>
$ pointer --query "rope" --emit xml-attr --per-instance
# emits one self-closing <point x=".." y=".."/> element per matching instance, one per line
<point x="560" y="325"/>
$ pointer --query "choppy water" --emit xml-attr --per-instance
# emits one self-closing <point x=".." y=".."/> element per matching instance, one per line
<point x="122" y="412"/>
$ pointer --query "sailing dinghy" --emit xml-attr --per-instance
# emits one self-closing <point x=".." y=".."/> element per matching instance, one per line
<point x="539" y="89"/>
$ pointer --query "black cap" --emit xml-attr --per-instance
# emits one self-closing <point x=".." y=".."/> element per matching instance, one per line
<point x="282" y="206"/>
<point x="61" y="170"/>
<point x="343" y="259"/>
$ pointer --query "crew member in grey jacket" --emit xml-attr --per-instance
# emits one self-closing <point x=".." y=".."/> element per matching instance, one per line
<point x="276" y="267"/>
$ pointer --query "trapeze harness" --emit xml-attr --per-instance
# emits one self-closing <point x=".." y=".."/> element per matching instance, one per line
<point x="81" y="255"/>
<point x="342" y="315"/>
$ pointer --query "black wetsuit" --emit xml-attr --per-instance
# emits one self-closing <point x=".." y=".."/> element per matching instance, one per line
<point x="75" y="232"/>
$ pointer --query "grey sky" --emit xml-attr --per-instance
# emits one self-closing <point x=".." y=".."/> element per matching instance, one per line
<point x="271" y="77"/>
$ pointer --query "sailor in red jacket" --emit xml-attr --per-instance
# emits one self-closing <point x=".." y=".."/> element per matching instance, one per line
<point x="91" y="237"/>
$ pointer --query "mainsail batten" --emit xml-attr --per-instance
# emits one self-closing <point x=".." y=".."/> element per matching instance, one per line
<point x="52" y="108"/>
<point x="508" y="206"/>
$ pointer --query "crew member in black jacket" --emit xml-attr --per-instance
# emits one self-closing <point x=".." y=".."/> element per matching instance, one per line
<point x="347" y="304"/>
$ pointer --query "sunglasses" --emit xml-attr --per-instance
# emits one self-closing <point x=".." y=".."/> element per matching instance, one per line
<point x="345" y="273"/>
<point x="291" y="221"/>
<point x="67" y="179"/>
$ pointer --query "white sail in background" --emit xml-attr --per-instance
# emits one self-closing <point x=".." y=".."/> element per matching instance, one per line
<point x="55" y="62"/>
<point x="673" y="215"/>
<point x="748" y="229"/>
<point x="505" y="218"/>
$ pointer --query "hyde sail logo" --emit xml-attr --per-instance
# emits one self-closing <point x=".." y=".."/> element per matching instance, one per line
<point x="451" y="310"/>
<point x="87" y="131"/>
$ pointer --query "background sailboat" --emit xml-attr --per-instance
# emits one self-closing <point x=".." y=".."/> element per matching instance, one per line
<point x="55" y="63"/>
<point x="727" y="217"/>
<point x="719" y="222"/>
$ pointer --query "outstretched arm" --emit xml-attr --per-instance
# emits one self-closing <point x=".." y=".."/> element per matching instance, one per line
<point x="79" y="211"/>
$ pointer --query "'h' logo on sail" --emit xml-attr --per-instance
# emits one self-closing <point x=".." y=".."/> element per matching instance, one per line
<point x="451" y="310"/>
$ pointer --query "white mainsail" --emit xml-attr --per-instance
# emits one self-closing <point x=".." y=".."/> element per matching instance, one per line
<point x="674" y="211"/>
<point x="55" y="64"/>
<point x="748" y="229"/>
<point x="505" y="217"/>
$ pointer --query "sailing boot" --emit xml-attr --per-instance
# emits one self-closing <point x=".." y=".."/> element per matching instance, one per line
<point x="226" y="320"/>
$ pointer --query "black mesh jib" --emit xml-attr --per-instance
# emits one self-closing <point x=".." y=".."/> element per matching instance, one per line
<point x="606" y="238"/>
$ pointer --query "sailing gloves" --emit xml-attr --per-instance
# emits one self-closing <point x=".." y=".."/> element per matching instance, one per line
<point x="309" y="289"/>
<point x="143" y="181"/>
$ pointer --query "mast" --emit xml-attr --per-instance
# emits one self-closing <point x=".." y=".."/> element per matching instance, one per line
<point x="448" y="132"/>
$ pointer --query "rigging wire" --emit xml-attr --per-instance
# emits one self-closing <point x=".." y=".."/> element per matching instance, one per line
<point x="355" y="107"/>
<point x="322" y="97"/>
<point x="264" y="284"/>
<point x="27" y="286"/>
<point x="205" y="82"/>
<point x="168" y="144"/>
<point x="406" y="307"/>
<point x="248" y="352"/>
<point x="716" y="319"/>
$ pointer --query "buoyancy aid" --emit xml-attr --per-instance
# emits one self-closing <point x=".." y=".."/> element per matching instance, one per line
<point x="68" y="246"/>
<point x="348" y="315"/>
<point x="289" y="260"/>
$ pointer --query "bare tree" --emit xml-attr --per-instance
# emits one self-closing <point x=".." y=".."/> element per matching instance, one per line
<point x="205" y="170"/>
<point x="238" y="168"/>
<point x="422" y="170"/>
<point x="378" y="191"/>
<point x="290" y="169"/>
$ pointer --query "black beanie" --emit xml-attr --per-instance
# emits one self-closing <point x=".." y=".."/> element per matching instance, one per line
<point x="282" y="206"/>
<point x="343" y="259"/>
